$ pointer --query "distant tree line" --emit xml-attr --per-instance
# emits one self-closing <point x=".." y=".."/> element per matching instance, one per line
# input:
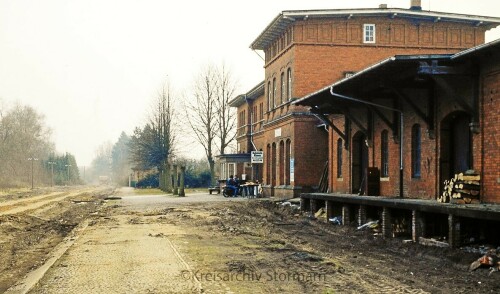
<point x="26" y="150"/>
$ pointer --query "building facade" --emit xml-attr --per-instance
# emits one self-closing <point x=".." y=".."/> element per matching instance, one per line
<point x="308" y="50"/>
<point x="445" y="107"/>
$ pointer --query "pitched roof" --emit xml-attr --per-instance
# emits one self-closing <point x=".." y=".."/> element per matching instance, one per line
<point x="281" y="22"/>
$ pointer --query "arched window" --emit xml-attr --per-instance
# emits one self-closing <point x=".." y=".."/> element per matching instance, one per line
<point x="269" y="100"/>
<point x="274" y="93"/>
<point x="339" y="158"/>
<point x="288" y="151"/>
<point x="274" y="166"/>
<point x="416" y="150"/>
<point x="282" y="90"/>
<point x="268" y="164"/>
<point x="282" y="163"/>
<point x="384" y="154"/>
<point x="289" y="84"/>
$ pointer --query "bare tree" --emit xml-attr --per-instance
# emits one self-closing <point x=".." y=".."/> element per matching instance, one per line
<point x="201" y="113"/>
<point x="23" y="135"/>
<point x="208" y="112"/>
<point x="162" y="122"/>
<point x="226" y="116"/>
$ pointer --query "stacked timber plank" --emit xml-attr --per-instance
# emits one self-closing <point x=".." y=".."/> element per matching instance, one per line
<point x="463" y="188"/>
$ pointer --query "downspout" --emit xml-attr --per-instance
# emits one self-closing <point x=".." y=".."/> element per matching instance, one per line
<point x="251" y="124"/>
<point x="401" y="125"/>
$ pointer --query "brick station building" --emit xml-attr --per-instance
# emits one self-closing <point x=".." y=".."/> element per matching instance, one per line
<point x="447" y="108"/>
<point x="308" y="50"/>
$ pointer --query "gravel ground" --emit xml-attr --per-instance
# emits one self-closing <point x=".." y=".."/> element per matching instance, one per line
<point x="210" y="244"/>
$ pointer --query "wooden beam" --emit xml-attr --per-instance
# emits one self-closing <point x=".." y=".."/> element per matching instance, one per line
<point x="384" y="119"/>
<point x="417" y="110"/>
<point x="356" y="122"/>
<point x="328" y="122"/>
<point x="450" y="91"/>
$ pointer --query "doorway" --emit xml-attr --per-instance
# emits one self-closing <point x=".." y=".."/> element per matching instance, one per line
<point x="359" y="163"/>
<point x="455" y="151"/>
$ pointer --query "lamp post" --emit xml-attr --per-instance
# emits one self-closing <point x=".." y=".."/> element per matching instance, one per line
<point x="51" y="163"/>
<point x="68" y="166"/>
<point x="32" y="159"/>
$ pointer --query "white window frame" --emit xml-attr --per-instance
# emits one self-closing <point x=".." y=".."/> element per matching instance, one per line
<point x="231" y="169"/>
<point x="369" y="33"/>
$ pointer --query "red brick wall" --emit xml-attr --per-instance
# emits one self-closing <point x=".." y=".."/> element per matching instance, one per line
<point x="319" y="66"/>
<point x="428" y="184"/>
<point x="490" y="127"/>
<point x="321" y="52"/>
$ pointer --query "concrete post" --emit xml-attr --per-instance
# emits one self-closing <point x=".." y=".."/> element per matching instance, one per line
<point x="314" y="206"/>
<point x="386" y="223"/>
<point x="346" y="215"/>
<point x="303" y="204"/>
<point x="361" y="215"/>
<point x="181" y="188"/>
<point x="329" y="210"/>
<point x="453" y="230"/>
<point x="418" y="225"/>
<point x="176" y="179"/>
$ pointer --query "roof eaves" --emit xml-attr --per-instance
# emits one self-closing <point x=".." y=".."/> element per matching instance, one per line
<point x="250" y="95"/>
<point x="285" y="18"/>
<point x="237" y="101"/>
<point x="475" y="49"/>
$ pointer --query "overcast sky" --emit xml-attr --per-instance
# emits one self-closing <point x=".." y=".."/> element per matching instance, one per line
<point x="93" y="66"/>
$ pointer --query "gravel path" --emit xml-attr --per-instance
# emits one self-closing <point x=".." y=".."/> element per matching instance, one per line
<point x="126" y="253"/>
<point x="121" y="256"/>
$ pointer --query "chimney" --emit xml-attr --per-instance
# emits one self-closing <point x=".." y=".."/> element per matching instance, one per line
<point x="416" y="5"/>
<point x="382" y="6"/>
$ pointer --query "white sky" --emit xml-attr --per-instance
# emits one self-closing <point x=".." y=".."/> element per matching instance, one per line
<point x="93" y="66"/>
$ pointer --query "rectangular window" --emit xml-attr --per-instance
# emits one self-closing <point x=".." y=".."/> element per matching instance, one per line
<point x="231" y="169"/>
<point x="261" y="111"/>
<point x="369" y="33"/>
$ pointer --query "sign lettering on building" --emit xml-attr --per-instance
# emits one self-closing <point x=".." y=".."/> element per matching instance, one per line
<point x="277" y="133"/>
<point x="257" y="157"/>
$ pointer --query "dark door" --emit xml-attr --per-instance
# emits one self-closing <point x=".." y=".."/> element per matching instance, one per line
<point x="455" y="152"/>
<point x="359" y="163"/>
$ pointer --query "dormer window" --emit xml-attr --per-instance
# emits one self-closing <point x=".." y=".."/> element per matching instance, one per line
<point x="369" y="33"/>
